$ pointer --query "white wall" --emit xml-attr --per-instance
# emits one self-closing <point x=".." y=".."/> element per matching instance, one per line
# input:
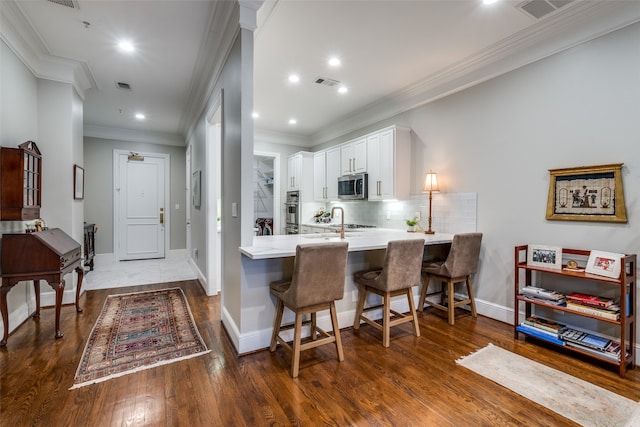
<point x="500" y="138"/>
<point x="49" y="113"/>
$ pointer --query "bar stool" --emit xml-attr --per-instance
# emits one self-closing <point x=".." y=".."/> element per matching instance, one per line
<point x="401" y="271"/>
<point x="460" y="264"/>
<point x="319" y="272"/>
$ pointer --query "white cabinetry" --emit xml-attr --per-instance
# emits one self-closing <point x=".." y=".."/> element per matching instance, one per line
<point x="326" y="170"/>
<point x="299" y="170"/>
<point x="353" y="156"/>
<point x="389" y="163"/>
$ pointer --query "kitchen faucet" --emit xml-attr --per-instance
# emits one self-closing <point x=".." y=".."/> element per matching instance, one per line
<point x="342" y="220"/>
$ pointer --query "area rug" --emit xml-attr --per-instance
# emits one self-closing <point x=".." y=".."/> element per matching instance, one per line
<point x="571" y="397"/>
<point x="139" y="331"/>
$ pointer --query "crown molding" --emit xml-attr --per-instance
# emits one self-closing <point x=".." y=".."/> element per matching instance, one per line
<point x="568" y="28"/>
<point x="248" y="13"/>
<point x="133" y="135"/>
<point x="274" y="137"/>
<point x="222" y="30"/>
<point x="18" y="34"/>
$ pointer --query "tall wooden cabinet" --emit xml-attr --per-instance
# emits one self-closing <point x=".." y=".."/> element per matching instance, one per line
<point x="20" y="182"/>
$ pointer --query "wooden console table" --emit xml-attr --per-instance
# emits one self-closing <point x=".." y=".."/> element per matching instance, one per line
<point x="46" y="255"/>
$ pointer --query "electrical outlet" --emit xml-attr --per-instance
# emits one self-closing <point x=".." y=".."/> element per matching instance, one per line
<point x="417" y="215"/>
<point x="388" y="215"/>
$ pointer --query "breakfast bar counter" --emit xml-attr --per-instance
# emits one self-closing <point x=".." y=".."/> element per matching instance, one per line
<point x="270" y="258"/>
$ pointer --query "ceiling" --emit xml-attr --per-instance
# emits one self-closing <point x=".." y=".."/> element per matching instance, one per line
<point x="395" y="55"/>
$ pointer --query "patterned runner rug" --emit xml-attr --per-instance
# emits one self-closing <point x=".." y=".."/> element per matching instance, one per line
<point x="139" y="331"/>
<point x="571" y="397"/>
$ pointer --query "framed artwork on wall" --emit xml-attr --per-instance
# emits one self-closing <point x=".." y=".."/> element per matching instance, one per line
<point x="587" y="193"/>
<point x="544" y="256"/>
<point x="195" y="189"/>
<point x="78" y="182"/>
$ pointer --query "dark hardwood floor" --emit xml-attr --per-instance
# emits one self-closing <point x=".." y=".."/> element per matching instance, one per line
<point x="414" y="382"/>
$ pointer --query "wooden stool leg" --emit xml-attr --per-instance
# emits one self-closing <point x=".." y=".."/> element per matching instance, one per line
<point x="313" y="331"/>
<point x="386" y="319"/>
<point x="362" y="297"/>
<point x="423" y="293"/>
<point x="336" y="331"/>
<point x="414" y="314"/>
<point x="451" y="308"/>
<point x="276" y="325"/>
<point x="473" y="301"/>
<point x="295" y="354"/>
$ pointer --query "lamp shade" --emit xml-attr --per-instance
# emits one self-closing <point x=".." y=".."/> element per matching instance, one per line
<point x="430" y="182"/>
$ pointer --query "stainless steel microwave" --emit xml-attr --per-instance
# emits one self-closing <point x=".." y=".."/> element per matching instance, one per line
<point x="353" y="187"/>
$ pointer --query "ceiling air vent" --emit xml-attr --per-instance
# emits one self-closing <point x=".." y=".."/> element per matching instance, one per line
<point x="326" y="82"/>
<point x="68" y="3"/>
<point x="122" y="85"/>
<point x="539" y="8"/>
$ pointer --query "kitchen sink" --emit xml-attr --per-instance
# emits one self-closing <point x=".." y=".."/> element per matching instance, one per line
<point x="329" y="236"/>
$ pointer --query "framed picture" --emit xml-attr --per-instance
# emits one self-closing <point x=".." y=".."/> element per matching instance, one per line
<point x="195" y="189"/>
<point x="587" y="193"/>
<point x="78" y="182"/>
<point x="604" y="264"/>
<point x="544" y="256"/>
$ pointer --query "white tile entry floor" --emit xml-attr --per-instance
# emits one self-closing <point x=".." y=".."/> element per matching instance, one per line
<point x="108" y="273"/>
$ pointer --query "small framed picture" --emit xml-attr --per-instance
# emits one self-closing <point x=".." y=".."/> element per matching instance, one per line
<point x="604" y="264"/>
<point x="544" y="256"/>
<point x="78" y="182"/>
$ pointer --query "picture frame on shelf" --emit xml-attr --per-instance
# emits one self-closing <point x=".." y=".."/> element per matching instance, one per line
<point x="544" y="256"/>
<point x="587" y="193"/>
<point x="78" y="182"/>
<point x="607" y="264"/>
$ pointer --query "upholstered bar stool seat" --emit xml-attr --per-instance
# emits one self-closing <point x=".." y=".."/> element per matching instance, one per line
<point x="319" y="272"/>
<point x="460" y="264"/>
<point x="401" y="271"/>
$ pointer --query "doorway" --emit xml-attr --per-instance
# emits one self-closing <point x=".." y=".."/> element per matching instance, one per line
<point x="266" y="193"/>
<point x="214" y="223"/>
<point x="141" y="192"/>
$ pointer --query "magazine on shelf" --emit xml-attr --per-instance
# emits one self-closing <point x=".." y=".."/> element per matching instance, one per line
<point x="559" y="302"/>
<point x="544" y="324"/>
<point x="613" y="356"/>
<point x="537" y="292"/>
<point x="540" y="334"/>
<point x="585" y="339"/>
<point x="590" y="300"/>
<point x="611" y="314"/>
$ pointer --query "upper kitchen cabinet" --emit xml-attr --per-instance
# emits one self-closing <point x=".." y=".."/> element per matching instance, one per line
<point x="20" y="182"/>
<point x="326" y="170"/>
<point x="300" y="172"/>
<point x="353" y="156"/>
<point x="389" y="163"/>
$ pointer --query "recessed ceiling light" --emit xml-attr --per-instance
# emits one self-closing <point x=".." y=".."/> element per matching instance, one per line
<point x="343" y="89"/>
<point x="294" y="78"/>
<point x="126" y="46"/>
<point x="255" y="115"/>
<point x="334" y="62"/>
<point x="489" y="1"/>
<point x="140" y="116"/>
<point x="292" y="121"/>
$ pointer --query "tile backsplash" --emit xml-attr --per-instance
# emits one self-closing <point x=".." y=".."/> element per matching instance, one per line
<point x="451" y="212"/>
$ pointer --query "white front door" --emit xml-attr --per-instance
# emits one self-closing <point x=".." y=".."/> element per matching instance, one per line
<point x="140" y="206"/>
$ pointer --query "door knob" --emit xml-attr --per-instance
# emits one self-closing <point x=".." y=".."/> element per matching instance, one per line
<point x="161" y="216"/>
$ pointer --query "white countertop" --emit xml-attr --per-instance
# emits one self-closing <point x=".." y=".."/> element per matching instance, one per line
<point x="279" y="246"/>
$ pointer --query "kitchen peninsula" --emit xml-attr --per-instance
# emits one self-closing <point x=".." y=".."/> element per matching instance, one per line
<point x="271" y="258"/>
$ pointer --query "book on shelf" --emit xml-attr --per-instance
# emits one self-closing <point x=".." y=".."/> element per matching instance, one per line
<point x="590" y="300"/>
<point x="610" y="314"/>
<point x="542" y="293"/>
<point x="544" y="324"/>
<point x="540" y="334"/>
